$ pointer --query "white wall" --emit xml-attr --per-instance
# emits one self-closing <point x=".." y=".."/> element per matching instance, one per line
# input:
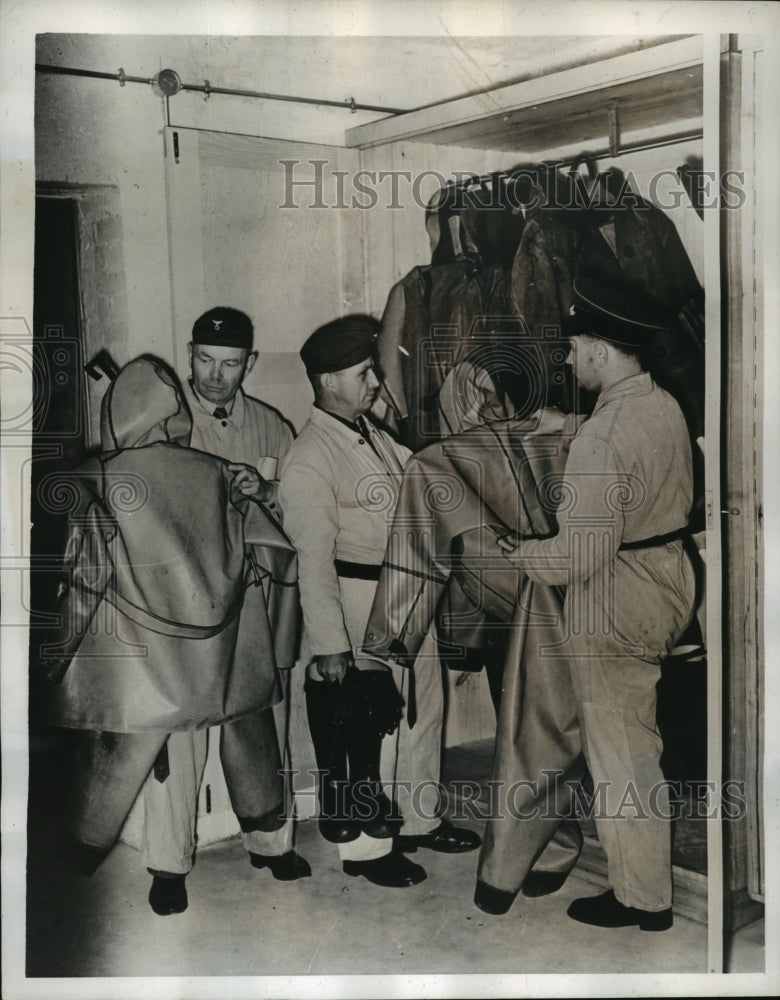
<point x="88" y="133"/>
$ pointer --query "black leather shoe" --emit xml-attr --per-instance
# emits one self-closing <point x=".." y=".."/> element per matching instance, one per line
<point x="543" y="883"/>
<point x="286" y="867"/>
<point x="168" y="895"/>
<point x="491" y="900"/>
<point x="392" y="870"/>
<point x="446" y="838"/>
<point x="606" y="911"/>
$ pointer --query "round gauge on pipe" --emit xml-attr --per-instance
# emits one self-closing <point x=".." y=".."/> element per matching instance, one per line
<point x="166" y="83"/>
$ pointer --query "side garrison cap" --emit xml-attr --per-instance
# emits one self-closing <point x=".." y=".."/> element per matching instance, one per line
<point x="224" y="327"/>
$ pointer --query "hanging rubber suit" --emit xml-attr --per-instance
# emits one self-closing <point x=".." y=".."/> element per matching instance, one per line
<point x="602" y="229"/>
<point x="541" y="285"/>
<point x="605" y="231"/>
<point x="178" y="605"/>
<point x="452" y="312"/>
<point x="455" y="497"/>
<point x="632" y="243"/>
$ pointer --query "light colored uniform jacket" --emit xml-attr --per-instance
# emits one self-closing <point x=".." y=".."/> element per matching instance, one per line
<point x="253" y="433"/>
<point x="338" y="498"/>
<point x="628" y="478"/>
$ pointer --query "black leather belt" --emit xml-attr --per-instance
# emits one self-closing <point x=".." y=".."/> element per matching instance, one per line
<point x="650" y="543"/>
<point x="358" y="571"/>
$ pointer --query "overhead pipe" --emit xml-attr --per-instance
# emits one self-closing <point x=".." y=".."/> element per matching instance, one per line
<point x="206" y="88"/>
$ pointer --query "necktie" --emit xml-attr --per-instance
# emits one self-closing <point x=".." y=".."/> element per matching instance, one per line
<point x="162" y="766"/>
<point x="411" y="699"/>
<point x="221" y="413"/>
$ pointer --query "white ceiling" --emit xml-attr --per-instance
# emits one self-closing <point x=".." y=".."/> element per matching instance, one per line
<point x="398" y="72"/>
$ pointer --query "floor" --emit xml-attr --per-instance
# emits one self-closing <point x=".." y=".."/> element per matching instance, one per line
<point x="242" y="922"/>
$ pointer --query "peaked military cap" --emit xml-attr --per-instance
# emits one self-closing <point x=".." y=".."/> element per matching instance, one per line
<point x="613" y="314"/>
<point x="340" y="344"/>
<point x="223" y="327"/>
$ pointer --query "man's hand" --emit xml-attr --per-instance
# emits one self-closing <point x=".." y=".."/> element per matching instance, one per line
<point x="506" y="539"/>
<point x="333" y="666"/>
<point x="508" y="543"/>
<point x="249" y="482"/>
<point x="549" y="420"/>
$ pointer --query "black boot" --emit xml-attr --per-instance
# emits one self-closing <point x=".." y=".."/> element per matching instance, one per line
<point x="335" y="823"/>
<point x="168" y="893"/>
<point x="377" y="815"/>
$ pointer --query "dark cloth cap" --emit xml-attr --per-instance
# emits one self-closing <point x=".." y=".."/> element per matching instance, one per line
<point x="340" y="344"/>
<point x="614" y="314"/>
<point x="223" y="327"/>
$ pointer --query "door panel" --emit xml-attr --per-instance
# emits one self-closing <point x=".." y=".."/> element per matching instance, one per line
<point x="255" y="224"/>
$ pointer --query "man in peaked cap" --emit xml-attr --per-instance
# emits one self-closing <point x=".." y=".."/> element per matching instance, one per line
<point x="338" y="490"/>
<point x="630" y="594"/>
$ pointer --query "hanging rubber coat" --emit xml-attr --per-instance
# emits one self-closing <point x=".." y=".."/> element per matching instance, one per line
<point x="635" y="244"/>
<point x="180" y="600"/>
<point x="436" y="317"/>
<point x="541" y="292"/>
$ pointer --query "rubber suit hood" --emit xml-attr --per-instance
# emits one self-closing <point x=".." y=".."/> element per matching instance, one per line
<point x="144" y="405"/>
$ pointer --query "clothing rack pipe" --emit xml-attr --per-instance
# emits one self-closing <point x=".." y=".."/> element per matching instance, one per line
<point x="603" y="154"/>
<point x="206" y="88"/>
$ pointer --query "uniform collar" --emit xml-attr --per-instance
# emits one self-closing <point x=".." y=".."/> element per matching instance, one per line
<point x="236" y="411"/>
<point x="634" y="385"/>
<point x="352" y="424"/>
<point x="332" y="422"/>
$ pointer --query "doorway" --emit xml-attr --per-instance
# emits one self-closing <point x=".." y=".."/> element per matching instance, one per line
<point x="59" y="443"/>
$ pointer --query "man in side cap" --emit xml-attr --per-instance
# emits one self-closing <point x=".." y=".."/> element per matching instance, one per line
<point x="253" y="438"/>
<point x="338" y="490"/>
<point x="630" y="593"/>
<point x="226" y="422"/>
<point x="177" y="612"/>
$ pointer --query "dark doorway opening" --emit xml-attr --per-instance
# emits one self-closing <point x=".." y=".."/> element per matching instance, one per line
<point x="59" y="442"/>
<point x="59" y="425"/>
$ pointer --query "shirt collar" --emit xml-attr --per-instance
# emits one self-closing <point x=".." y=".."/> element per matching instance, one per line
<point x="353" y="425"/>
<point x="235" y="410"/>
<point x="334" y="423"/>
<point x="634" y="385"/>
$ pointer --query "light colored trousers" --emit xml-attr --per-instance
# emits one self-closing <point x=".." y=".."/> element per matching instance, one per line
<point x="170" y="811"/>
<point x="616" y="648"/>
<point x="170" y="807"/>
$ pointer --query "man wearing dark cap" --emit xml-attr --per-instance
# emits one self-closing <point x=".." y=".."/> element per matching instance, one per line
<point x="177" y="612"/>
<point x="227" y="422"/>
<point x="253" y="438"/>
<point x="630" y="592"/>
<point x="338" y="490"/>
